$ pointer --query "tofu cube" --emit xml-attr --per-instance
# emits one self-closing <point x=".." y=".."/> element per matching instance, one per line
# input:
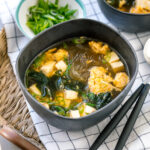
<point x="113" y="57"/>
<point x="85" y="110"/>
<point x="89" y="109"/>
<point x="48" y="68"/>
<point x="61" y="65"/>
<point x="46" y="105"/>
<point x="56" y="112"/>
<point x="117" y="66"/>
<point x="33" y="88"/>
<point x="74" y="114"/>
<point x="70" y="94"/>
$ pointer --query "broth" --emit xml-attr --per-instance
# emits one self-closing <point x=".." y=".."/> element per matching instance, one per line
<point x="131" y="6"/>
<point x="76" y="77"/>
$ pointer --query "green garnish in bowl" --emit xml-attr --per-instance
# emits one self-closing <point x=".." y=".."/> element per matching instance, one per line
<point x="45" y="14"/>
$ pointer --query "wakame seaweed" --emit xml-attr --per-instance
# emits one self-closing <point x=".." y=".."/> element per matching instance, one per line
<point x="97" y="101"/>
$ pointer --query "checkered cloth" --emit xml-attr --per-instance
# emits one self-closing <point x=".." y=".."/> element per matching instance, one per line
<point x="56" y="139"/>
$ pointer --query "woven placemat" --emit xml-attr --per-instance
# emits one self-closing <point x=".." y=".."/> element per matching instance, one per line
<point x="13" y="109"/>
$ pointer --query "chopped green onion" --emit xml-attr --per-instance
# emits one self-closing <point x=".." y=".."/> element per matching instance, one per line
<point x="46" y="14"/>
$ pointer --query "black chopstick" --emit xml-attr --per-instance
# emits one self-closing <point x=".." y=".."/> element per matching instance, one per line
<point x="116" y="119"/>
<point x="132" y="119"/>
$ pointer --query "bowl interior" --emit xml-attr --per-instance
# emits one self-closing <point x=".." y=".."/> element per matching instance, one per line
<point x="22" y="10"/>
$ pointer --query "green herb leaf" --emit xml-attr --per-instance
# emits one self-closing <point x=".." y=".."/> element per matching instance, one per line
<point x="70" y="13"/>
<point x="100" y="100"/>
<point x="66" y="73"/>
<point x="65" y="45"/>
<point x="80" y="40"/>
<point x="56" y="2"/>
<point x="91" y="96"/>
<point x="50" y="17"/>
<point x="90" y="104"/>
<point x="59" y="109"/>
<point x="104" y="61"/>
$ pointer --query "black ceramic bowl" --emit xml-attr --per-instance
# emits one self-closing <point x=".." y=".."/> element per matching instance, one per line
<point x="79" y="27"/>
<point x="125" y="21"/>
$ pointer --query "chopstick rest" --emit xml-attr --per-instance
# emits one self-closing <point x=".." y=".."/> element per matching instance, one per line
<point x="116" y="119"/>
<point x="132" y="119"/>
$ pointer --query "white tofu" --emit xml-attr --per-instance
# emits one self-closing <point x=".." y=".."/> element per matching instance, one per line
<point x="33" y="88"/>
<point x="48" y="68"/>
<point x="70" y="94"/>
<point x="46" y="105"/>
<point x="74" y="114"/>
<point x="89" y="109"/>
<point x="56" y="112"/>
<point x="117" y="66"/>
<point x="85" y="110"/>
<point x="61" y="65"/>
<point x="113" y="57"/>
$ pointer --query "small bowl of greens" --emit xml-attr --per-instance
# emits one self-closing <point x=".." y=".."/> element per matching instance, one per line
<point x="34" y="16"/>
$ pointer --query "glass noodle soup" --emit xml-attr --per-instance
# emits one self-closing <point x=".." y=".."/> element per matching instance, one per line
<point x="132" y="6"/>
<point x="76" y="77"/>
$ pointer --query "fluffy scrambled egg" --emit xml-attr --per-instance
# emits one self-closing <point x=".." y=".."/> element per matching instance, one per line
<point x="139" y="10"/>
<point x="121" y="80"/>
<point x="100" y="72"/>
<point x="99" y="81"/>
<point x="141" y="7"/>
<point x="99" y="47"/>
<point x="60" y="54"/>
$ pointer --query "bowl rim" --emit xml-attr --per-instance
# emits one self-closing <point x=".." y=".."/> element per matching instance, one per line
<point x="99" y="110"/>
<point x="125" y="13"/>
<point x="17" y="20"/>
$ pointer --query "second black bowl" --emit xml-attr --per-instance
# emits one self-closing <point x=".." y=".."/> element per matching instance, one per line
<point x="75" y="28"/>
<point x="125" y="21"/>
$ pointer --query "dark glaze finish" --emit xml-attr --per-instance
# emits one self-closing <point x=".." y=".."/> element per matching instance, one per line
<point x="125" y="21"/>
<point x="73" y="28"/>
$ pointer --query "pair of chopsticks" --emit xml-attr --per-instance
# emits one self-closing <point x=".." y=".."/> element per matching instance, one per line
<point x="139" y="95"/>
